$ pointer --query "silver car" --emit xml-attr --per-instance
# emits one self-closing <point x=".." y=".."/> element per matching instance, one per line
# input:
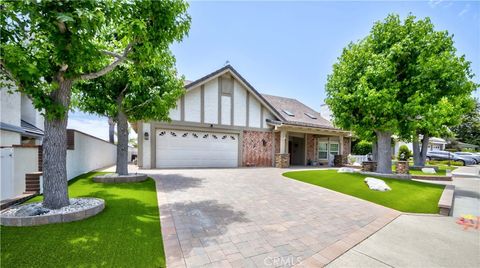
<point x="470" y="155"/>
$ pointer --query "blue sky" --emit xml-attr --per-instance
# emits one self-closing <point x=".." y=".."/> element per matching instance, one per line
<point x="288" y="48"/>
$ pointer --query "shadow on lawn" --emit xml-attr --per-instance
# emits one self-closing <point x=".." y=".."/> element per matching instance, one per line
<point x="203" y="220"/>
<point x="126" y="233"/>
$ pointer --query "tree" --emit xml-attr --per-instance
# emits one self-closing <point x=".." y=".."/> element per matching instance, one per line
<point x="436" y="84"/>
<point x="384" y="82"/>
<point x="469" y="129"/>
<point x="362" y="147"/>
<point x="132" y="93"/>
<point x="48" y="46"/>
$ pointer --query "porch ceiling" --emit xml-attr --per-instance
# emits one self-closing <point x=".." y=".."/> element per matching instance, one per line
<point x="313" y="130"/>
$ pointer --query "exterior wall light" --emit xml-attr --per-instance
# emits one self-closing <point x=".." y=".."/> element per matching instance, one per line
<point x="145" y="135"/>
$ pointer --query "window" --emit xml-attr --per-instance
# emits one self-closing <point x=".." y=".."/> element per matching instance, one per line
<point x="334" y="148"/>
<point x="326" y="148"/>
<point x="287" y="112"/>
<point x="311" y="115"/>
<point x="323" y="150"/>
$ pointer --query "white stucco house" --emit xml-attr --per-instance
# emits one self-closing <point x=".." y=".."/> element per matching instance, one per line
<point x="21" y="134"/>
<point x="223" y="121"/>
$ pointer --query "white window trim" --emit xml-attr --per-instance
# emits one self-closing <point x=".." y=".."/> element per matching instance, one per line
<point x="328" y="142"/>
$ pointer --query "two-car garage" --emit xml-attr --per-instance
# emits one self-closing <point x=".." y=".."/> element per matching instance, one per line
<point x="182" y="149"/>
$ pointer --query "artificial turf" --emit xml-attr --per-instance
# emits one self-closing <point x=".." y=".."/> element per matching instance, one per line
<point x="125" y="234"/>
<point x="406" y="195"/>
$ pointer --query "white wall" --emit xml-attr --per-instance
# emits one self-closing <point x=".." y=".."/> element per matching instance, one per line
<point x="192" y="105"/>
<point x="267" y="115"/>
<point x="175" y="113"/>
<point x="29" y="113"/>
<point x="254" y="112"/>
<point x="89" y="154"/>
<point x="15" y="163"/>
<point x="239" y="105"/>
<point x="226" y="110"/>
<point x="146" y="160"/>
<point x="210" y="102"/>
<point x="8" y="138"/>
<point x="10" y="107"/>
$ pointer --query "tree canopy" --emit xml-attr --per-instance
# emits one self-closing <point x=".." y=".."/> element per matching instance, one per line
<point x="403" y="78"/>
<point x="48" y="46"/>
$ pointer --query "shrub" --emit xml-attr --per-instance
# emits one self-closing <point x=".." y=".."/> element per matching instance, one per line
<point x="362" y="148"/>
<point x="404" y="153"/>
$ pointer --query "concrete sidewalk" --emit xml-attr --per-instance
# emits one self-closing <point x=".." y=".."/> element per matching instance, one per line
<point x="416" y="241"/>
<point x="467" y="191"/>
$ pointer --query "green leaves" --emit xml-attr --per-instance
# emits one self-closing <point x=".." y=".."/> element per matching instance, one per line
<point x="39" y="38"/>
<point x="400" y="71"/>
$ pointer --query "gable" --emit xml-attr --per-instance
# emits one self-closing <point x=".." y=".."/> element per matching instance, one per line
<point x="223" y="98"/>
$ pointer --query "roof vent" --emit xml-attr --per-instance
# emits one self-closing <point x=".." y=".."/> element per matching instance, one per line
<point x="311" y="115"/>
<point x="287" y="112"/>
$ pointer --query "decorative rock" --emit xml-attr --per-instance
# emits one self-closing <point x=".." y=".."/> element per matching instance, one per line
<point x="346" y="170"/>
<point x="357" y="164"/>
<point x="115" y="178"/>
<point x="429" y="170"/>
<point x="35" y="214"/>
<point x="377" y="184"/>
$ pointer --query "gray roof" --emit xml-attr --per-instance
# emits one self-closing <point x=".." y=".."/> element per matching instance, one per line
<point x="299" y="111"/>
<point x="25" y="129"/>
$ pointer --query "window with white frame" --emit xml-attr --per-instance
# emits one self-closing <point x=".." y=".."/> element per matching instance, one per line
<point x="322" y="149"/>
<point x="334" y="148"/>
<point x="326" y="148"/>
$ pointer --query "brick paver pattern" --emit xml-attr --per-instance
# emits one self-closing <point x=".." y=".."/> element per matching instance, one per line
<point x="255" y="217"/>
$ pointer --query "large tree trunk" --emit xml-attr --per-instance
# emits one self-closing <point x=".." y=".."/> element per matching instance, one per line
<point x="423" y="153"/>
<point x="374" y="151"/>
<point x="384" y="145"/>
<point x="111" y="130"/>
<point x="122" y="142"/>
<point x="416" y="152"/>
<point x="55" y="184"/>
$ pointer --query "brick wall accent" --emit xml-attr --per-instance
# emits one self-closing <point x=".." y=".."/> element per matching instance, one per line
<point x="311" y="147"/>
<point x="257" y="148"/>
<point x="32" y="182"/>
<point x="277" y="142"/>
<point x="40" y="158"/>
<point x="347" y="146"/>
<point x="70" y="139"/>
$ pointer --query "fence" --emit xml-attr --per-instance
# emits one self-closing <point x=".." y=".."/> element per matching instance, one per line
<point x="85" y="153"/>
<point x="357" y="158"/>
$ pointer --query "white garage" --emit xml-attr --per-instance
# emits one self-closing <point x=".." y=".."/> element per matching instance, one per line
<point x="181" y="149"/>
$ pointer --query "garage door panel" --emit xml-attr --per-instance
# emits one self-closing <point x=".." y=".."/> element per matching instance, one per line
<point x="177" y="148"/>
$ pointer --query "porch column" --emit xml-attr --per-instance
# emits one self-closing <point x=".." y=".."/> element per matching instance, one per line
<point x="283" y="142"/>
<point x="282" y="159"/>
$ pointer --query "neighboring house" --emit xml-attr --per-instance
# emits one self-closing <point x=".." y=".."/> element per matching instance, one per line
<point x="20" y="122"/>
<point x="222" y="121"/>
<point x="434" y="144"/>
<point x="21" y="134"/>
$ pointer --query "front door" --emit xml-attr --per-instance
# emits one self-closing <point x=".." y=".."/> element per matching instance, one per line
<point x="296" y="149"/>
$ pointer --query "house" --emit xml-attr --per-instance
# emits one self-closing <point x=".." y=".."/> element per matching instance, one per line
<point x="21" y="135"/>
<point x="223" y="121"/>
<point x="20" y="122"/>
<point x="434" y="144"/>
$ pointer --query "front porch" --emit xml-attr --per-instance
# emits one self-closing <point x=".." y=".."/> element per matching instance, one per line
<point x="309" y="146"/>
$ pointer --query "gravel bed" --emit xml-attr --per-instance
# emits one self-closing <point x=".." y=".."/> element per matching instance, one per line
<point x="36" y="209"/>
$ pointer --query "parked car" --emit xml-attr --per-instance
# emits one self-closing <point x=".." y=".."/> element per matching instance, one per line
<point x="476" y="157"/>
<point x="444" y="155"/>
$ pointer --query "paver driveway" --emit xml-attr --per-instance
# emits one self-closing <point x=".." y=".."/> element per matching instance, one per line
<point x="255" y="217"/>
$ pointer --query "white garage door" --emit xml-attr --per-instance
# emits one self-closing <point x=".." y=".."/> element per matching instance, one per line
<point x="179" y="148"/>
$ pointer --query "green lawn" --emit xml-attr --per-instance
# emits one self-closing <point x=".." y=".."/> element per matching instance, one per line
<point x="406" y="195"/>
<point x="126" y="234"/>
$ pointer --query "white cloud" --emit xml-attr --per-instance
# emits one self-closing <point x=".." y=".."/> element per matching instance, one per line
<point x="464" y="10"/>
<point x="434" y="3"/>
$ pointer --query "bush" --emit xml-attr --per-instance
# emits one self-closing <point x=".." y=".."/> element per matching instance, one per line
<point x="404" y="153"/>
<point x="362" y="148"/>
